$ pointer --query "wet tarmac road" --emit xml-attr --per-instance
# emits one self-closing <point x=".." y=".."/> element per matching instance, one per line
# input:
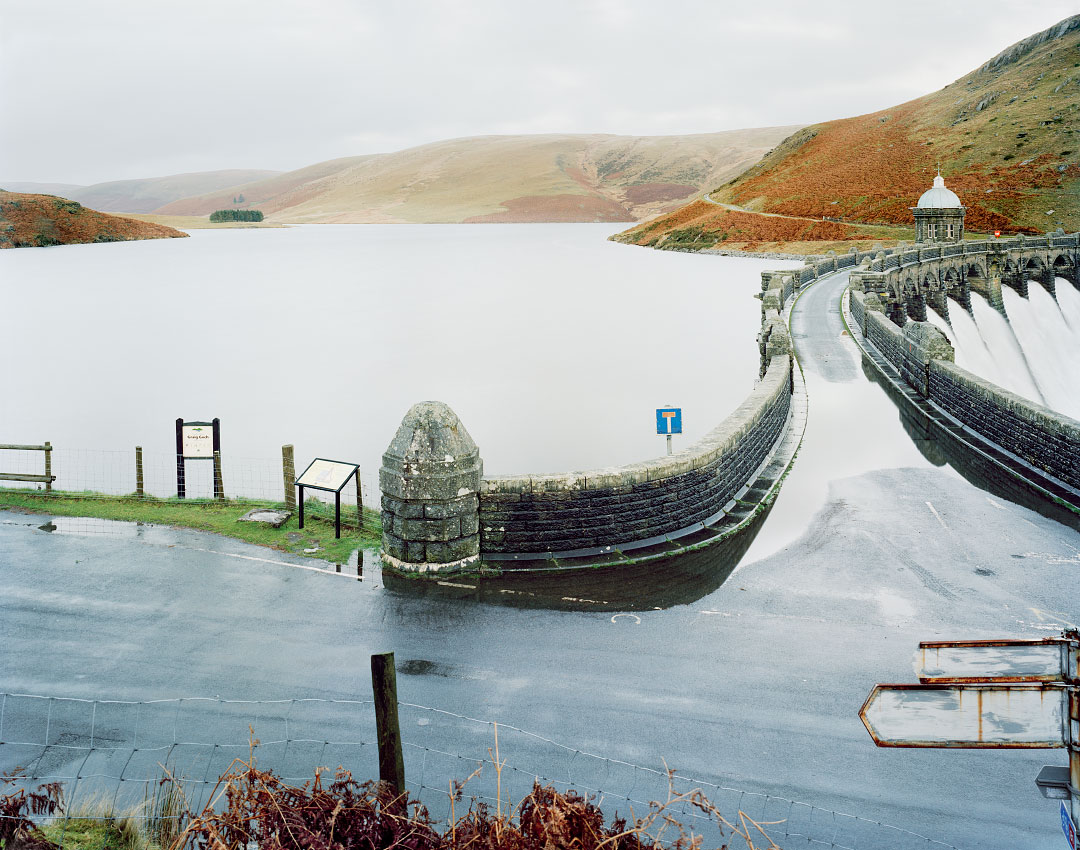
<point x="871" y="547"/>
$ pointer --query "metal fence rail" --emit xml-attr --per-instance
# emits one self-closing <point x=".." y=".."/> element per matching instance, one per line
<point x="113" y="753"/>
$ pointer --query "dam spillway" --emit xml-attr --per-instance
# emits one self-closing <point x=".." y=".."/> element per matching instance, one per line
<point x="1034" y="352"/>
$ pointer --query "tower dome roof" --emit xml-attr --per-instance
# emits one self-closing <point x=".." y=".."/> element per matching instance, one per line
<point x="938" y="197"/>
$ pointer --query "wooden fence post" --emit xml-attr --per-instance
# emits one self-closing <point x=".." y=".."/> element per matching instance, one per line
<point x="219" y="486"/>
<point x="288" y="474"/>
<point x="384" y="687"/>
<point x="48" y="467"/>
<point x="139" y="491"/>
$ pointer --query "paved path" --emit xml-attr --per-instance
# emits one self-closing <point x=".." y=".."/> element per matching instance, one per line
<point x="872" y="546"/>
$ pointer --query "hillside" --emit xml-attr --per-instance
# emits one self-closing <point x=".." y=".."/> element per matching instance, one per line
<point x="142" y="196"/>
<point x="504" y="178"/>
<point x="28" y="221"/>
<point x="1006" y="137"/>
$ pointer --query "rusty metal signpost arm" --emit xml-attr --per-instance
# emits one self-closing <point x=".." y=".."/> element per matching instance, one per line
<point x="989" y="694"/>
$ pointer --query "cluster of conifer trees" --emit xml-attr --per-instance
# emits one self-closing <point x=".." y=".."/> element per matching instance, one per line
<point x="236" y="215"/>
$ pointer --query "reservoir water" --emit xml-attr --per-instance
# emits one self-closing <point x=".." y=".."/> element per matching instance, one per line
<point x="553" y="345"/>
<point x="880" y="537"/>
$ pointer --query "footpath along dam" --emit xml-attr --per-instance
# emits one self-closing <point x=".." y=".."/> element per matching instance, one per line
<point x="441" y="514"/>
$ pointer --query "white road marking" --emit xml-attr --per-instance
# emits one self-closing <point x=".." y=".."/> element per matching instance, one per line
<point x="271" y="561"/>
<point x="997" y="505"/>
<point x="637" y="619"/>
<point x="933" y="510"/>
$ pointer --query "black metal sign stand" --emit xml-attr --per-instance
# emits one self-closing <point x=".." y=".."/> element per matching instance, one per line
<point x="181" y="488"/>
<point x="355" y="473"/>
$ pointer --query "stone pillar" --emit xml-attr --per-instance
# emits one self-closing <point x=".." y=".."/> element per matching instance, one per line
<point x="923" y="342"/>
<point x="430" y="478"/>
<point x="916" y="307"/>
<point x="992" y="290"/>
<point x="1049" y="280"/>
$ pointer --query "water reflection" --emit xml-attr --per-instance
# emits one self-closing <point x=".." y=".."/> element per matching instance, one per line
<point x="678" y="580"/>
<point x="941" y="448"/>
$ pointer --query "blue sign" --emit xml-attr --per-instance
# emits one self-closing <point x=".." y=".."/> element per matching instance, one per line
<point x="1068" y="827"/>
<point x="669" y="420"/>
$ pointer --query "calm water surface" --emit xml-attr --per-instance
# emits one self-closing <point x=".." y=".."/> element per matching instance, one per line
<point x="552" y="344"/>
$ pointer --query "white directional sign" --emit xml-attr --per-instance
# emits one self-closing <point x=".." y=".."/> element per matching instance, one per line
<point x="967" y="716"/>
<point x="999" y="660"/>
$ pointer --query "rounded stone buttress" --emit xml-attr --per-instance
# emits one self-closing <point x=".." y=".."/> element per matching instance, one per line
<point x="430" y="478"/>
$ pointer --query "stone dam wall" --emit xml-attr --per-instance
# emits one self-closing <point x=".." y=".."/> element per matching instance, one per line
<point x="601" y="508"/>
<point x="1041" y="437"/>
<point x="440" y="513"/>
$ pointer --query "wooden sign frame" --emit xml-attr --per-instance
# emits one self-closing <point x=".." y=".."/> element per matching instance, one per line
<point x="215" y="456"/>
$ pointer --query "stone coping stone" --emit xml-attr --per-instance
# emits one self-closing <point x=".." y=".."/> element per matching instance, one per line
<point x="721" y="440"/>
<point x="1030" y="411"/>
<point x="272" y="517"/>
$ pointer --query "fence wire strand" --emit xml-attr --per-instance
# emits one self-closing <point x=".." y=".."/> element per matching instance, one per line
<point x="119" y="750"/>
<point x="111" y="473"/>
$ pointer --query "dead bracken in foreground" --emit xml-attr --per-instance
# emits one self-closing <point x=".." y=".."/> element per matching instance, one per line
<point x="252" y="808"/>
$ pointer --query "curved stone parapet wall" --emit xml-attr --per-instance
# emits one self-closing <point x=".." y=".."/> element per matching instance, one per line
<point x="579" y="515"/>
<point x="609" y="507"/>
<point x="1041" y="437"/>
<point x="1044" y="438"/>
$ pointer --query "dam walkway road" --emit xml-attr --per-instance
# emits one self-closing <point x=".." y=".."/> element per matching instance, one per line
<point x="875" y="542"/>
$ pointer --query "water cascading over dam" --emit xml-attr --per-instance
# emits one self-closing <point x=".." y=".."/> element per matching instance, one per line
<point x="1035" y="352"/>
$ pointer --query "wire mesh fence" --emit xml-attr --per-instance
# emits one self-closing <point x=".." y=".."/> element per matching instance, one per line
<point x="110" y="756"/>
<point x="99" y="473"/>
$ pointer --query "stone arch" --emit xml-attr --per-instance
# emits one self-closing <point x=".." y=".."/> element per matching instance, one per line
<point x="957" y="287"/>
<point x="897" y="299"/>
<point x="1064" y="265"/>
<point x="1015" y="275"/>
<point x="937" y="291"/>
<point x="1038" y="269"/>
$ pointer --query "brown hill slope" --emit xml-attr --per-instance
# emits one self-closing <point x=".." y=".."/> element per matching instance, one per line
<point x="504" y="178"/>
<point x="28" y="221"/>
<point x="1006" y="137"/>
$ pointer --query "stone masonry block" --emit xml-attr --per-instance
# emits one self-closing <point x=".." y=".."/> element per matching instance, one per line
<point x="425" y="530"/>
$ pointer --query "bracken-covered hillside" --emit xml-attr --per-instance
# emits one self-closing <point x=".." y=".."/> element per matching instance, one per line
<point x="1006" y="138"/>
<point x="503" y="178"/>
<point x="38" y="221"/>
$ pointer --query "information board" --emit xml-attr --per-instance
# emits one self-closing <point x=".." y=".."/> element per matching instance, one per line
<point x="198" y="440"/>
<point x="326" y="474"/>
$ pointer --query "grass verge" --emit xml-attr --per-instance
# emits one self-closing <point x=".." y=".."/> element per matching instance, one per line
<point x="218" y="517"/>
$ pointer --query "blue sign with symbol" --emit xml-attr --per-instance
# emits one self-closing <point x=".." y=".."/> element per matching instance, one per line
<point x="669" y="420"/>
<point x="1068" y="827"/>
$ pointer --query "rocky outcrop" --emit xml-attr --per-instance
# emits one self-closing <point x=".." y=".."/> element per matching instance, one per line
<point x="39" y="221"/>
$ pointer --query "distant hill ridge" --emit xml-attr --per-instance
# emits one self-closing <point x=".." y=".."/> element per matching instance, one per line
<point x="503" y="178"/>
<point x="144" y="195"/>
<point x="1006" y="138"/>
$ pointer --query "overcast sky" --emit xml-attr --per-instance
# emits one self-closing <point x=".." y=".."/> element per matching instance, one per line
<point x="94" y="90"/>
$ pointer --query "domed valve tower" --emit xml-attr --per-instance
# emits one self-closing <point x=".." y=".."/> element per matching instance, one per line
<point x="939" y="215"/>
